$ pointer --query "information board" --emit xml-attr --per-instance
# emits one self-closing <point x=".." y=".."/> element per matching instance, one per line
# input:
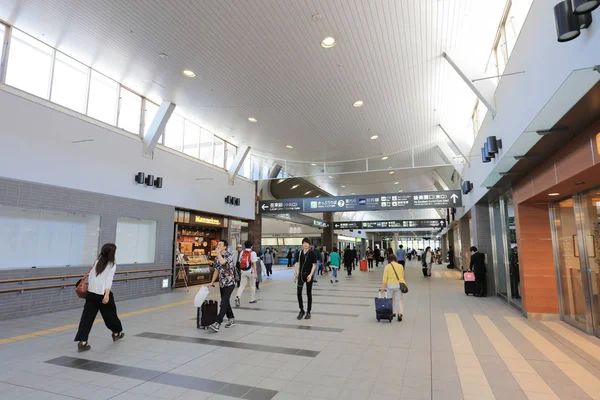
<point x="299" y="219"/>
<point x="396" y="224"/>
<point x="369" y="202"/>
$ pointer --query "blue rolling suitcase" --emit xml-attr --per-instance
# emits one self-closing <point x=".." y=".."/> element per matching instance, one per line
<point x="384" y="307"/>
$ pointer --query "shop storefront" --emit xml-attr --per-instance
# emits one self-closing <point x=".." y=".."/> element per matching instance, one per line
<point x="196" y="238"/>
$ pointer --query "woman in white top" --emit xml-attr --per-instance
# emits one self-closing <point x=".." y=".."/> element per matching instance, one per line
<point x="100" y="298"/>
<point x="428" y="259"/>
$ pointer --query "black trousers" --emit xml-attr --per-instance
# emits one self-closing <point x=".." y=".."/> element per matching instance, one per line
<point x="480" y="284"/>
<point x="93" y="304"/>
<point x="289" y="262"/>
<point x="300" y="285"/>
<point x="269" y="268"/>
<point x="402" y="262"/>
<point x="226" y="309"/>
<point x="348" y="268"/>
<point x="370" y="260"/>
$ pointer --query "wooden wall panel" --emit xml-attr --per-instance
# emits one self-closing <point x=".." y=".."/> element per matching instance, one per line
<point x="575" y="157"/>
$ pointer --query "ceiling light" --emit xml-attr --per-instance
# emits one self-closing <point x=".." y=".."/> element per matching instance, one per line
<point x="343" y="186"/>
<point x="580" y="183"/>
<point x="252" y="119"/>
<point x="353" y="193"/>
<point x="374" y="137"/>
<point x="401" y="190"/>
<point x="328" y="42"/>
<point x="313" y="164"/>
<point x="396" y="183"/>
<point x="358" y="103"/>
<point x="308" y="192"/>
<point x="553" y="194"/>
<point x="318" y="196"/>
<point x="164" y="56"/>
<point x="330" y="177"/>
<point x="384" y="158"/>
<point x="281" y="180"/>
<point x="295" y="186"/>
<point x="289" y="146"/>
<point x="392" y="172"/>
<point x="188" y="73"/>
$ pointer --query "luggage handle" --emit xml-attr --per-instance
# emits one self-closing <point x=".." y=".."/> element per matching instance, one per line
<point x="386" y="296"/>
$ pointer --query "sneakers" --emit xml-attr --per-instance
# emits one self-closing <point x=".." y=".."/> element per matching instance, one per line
<point x="253" y="302"/>
<point x="307" y="315"/>
<point x="331" y="280"/>
<point x="215" y="327"/>
<point x="399" y="317"/>
<point x="237" y="301"/>
<point x="230" y="323"/>
<point x="83" y="347"/>
<point x="300" y="314"/>
<point x="337" y="281"/>
<point x="118" y="336"/>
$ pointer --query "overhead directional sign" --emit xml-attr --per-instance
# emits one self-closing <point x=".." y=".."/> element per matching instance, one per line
<point x="369" y="202"/>
<point x="396" y="224"/>
<point x="299" y="219"/>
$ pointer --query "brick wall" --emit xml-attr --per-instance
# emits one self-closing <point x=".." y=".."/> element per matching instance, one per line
<point x="110" y="208"/>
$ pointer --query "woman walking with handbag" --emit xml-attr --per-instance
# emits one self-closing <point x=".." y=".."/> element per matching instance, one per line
<point x="99" y="297"/>
<point x="394" y="283"/>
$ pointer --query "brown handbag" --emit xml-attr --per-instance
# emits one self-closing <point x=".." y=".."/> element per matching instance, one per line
<point x="81" y="285"/>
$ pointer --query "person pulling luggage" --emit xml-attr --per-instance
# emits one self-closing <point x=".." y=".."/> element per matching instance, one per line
<point x="225" y="271"/>
<point x="478" y="266"/>
<point x="393" y="279"/>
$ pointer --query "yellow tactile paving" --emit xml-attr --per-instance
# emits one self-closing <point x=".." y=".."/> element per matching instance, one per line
<point x="436" y="274"/>
<point x="584" y="344"/>
<point x="473" y="381"/>
<point x="449" y="274"/>
<point x="584" y="379"/>
<point x="532" y="384"/>
<point x="124" y="315"/>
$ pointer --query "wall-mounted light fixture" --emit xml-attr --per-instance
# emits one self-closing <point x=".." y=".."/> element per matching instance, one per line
<point x="467" y="186"/>
<point x="234" y="201"/>
<point x="570" y="16"/>
<point x="149" y="180"/>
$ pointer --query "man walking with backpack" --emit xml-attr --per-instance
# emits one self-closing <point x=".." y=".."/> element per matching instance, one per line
<point x="248" y="260"/>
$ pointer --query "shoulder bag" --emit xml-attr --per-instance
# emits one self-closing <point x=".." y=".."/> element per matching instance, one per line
<point x="81" y="285"/>
<point x="403" y="287"/>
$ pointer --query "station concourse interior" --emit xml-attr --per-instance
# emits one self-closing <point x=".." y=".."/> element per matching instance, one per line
<point x="150" y="142"/>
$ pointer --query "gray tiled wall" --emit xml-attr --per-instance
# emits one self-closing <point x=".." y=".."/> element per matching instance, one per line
<point x="110" y="208"/>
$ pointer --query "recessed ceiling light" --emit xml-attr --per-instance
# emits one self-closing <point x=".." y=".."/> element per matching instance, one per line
<point x="358" y="103"/>
<point x="328" y="42"/>
<point x="281" y="180"/>
<point x="295" y="186"/>
<point x="252" y="119"/>
<point x="289" y="146"/>
<point x="384" y="157"/>
<point x="374" y="137"/>
<point x="164" y="56"/>
<point x="188" y="73"/>
<point x="396" y="183"/>
<point x="580" y="183"/>
<point x="353" y="193"/>
<point x="553" y="194"/>
<point x="330" y="177"/>
<point x="343" y="186"/>
<point x="318" y="195"/>
<point x="401" y="190"/>
<point x="392" y="172"/>
<point x="313" y="164"/>
<point x="309" y="192"/>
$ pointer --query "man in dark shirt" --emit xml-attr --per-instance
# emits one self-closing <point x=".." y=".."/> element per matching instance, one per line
<point x="319" y="259"/>
<point x="307" y="263"/>
<point x="348" y="260"/>
<point x="478" y="266"/>
<point x="377" y="254"/>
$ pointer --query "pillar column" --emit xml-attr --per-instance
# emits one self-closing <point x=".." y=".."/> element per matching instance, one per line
<point x="395" y="247"/>
<point x="255" y="227"/>
<point x="327" y="233"/>
<point x="482" y="239"/>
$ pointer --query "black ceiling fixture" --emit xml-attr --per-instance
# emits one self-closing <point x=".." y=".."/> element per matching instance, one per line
<point x="484" y="156"/>
<point x="570" y="16"/>
<point x="141" y="178"/>
<point x="467" y="186"/>
<point x="490" y="148"/>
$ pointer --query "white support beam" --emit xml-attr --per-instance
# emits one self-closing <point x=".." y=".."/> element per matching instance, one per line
<point x="486" y="92"/>
<point x="237" y="163"/>
<point x="157" y="127"/>
<point x="4" y="50"/>
<point x="448" y="152"/>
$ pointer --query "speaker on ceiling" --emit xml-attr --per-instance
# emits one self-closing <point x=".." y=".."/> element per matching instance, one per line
<point x="139" y="178"/>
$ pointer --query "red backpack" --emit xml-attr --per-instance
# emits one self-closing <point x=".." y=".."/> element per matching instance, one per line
<point x="246" y="259"/>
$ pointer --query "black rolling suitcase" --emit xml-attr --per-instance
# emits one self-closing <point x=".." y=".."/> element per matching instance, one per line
<point x="207" y="314"/>
<point x="470" y="286"/>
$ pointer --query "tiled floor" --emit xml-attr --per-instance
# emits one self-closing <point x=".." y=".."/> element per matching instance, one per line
<point x="448" y="347"/>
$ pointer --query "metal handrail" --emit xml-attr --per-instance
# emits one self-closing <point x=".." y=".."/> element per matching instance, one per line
<point x="44" y="278"/>
<point x="65" y="285"/>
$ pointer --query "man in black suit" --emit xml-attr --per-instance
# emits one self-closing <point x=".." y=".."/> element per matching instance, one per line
<point x="478" y="266"/>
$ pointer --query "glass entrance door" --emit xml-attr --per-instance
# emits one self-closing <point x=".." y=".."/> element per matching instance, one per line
<point x="590" y="261"/>
<point x="499" y="251"/>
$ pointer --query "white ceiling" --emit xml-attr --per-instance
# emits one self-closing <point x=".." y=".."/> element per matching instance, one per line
<point x="263" y="58"/>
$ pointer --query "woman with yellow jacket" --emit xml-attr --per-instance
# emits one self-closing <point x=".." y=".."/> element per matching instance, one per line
<point x="393" y="277"/>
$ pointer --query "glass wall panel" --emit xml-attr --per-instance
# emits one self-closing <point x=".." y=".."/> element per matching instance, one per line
<point x="206" y="146"/>
<point x="174" y="133"/>
<point x="149" y="114"/>
<point x="219" y="152"/>
<point x="498" y="248"/>
<point x="573" y="301"/>
<point x="231" y="153"/>
<point x="103" y="98"/>
<point x="191" y="139"/>
<point x="591" y="230"/>
<point x="70" y="83"/>
<point x="136" y="241"/>
<point x="130" y="111"/>
<point x="513" y="255"/>
<point x="29" y="64"/>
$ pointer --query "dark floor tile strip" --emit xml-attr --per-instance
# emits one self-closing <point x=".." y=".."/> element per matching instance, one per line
<point x="316" y="302"/>
<point x="346" y="290"/>
<point x="167" y="378"/>
<point x="229" y="344"/>
<point x="346" y="297"/>
<point x="294" y="312"/>
<point x="276" y="325"/>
